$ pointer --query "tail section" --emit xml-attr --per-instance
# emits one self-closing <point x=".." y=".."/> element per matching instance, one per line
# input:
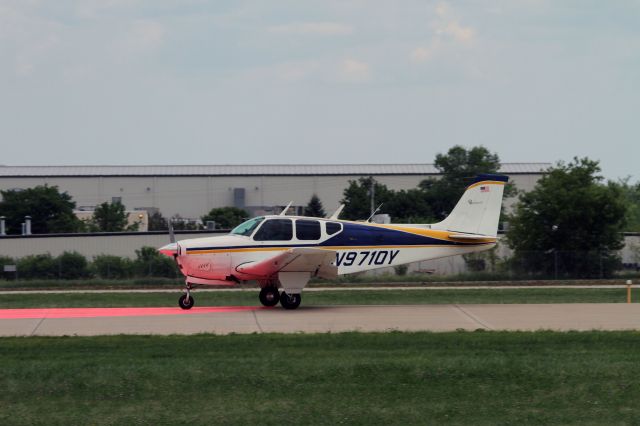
<point x="478" y="211"/>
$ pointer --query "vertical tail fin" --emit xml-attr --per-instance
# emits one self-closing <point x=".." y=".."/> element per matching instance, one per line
<point x="478" y="211"/>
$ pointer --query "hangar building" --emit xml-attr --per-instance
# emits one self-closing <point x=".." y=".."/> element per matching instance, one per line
<point x="190" y="191"/>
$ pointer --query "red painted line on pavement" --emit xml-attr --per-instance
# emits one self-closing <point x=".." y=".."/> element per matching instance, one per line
<point x="115" y="312"/>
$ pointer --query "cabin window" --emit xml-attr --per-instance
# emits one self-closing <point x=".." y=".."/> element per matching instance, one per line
<point x="275" y="230"/>
<point x="333" y="228"/>
<point x="308" y="229"/>
<point x="247" y="227"/>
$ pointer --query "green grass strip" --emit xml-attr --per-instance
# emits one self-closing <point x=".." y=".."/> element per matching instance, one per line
<point x="249" y="297"/>
<point x="480" y="378"/>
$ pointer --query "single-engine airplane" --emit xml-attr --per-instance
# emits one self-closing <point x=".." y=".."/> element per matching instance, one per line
<point x="285" y="252"/>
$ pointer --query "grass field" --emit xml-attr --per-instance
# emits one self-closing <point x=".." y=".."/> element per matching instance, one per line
<point x="351" y="280"/>
<point x="249" y="297"/>
<point x="393" y="378"/>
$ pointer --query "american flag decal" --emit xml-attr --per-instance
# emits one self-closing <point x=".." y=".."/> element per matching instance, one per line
<point x="484" y="189"/>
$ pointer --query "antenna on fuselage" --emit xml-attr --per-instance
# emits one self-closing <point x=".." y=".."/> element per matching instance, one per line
<point x="172" y="236"/>
<point x="286" y="209"/>
<point x="335" y="214"/>
<point x="374" y="213"/>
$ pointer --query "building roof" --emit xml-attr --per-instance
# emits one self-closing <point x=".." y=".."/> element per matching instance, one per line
<point x="250" y="170"/>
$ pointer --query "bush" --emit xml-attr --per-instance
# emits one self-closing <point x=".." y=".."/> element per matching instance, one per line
<point x="112" y="267"/>
<point x="72" y="265"/>
<point x="38" y="266"/>
<point x="401" y="269"/>
<point x="151" y="263"/>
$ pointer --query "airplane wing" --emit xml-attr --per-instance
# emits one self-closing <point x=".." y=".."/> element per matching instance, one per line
<point x="304" y="259"/>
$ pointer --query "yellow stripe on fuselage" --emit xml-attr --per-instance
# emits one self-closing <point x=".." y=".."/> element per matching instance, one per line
<point x="433" y="233"/>
<point x="329" y="248"/>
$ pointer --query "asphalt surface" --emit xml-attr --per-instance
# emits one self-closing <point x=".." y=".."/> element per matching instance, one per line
<point x="314" y="319"/>
<point x="316" y="289"/>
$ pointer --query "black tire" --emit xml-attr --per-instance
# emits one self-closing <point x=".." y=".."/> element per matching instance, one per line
<point x="184" y="303"/>
<point x="269" y="296"/>
<point x="290" y="301"/>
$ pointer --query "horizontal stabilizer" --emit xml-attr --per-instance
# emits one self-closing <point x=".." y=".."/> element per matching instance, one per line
<point x="472" y="237"/>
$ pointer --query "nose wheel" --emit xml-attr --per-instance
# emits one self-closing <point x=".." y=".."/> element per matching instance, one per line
<point x="186" y="300"/>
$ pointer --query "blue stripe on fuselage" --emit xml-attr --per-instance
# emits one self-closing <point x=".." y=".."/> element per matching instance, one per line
<point x="355" y="234"/>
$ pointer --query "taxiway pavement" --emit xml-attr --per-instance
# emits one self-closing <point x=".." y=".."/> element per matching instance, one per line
<point x="318" y="319"/>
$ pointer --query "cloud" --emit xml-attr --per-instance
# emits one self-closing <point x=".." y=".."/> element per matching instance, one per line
<point x="422" y="54"/>
<point x="447" y="25"/>
<point x="355" y="70"/>
<point x="27" y="40"/>
<point x="146" y="34"/>
<point x="442" y="10"/>
<point x="140" y="36"/>
<point x="447" y="34"/>
<point x="312" y="28"/>
<point x="458" y="32"/>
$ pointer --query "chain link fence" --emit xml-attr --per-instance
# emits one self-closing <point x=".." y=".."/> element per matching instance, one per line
<point x="484" y="266"/>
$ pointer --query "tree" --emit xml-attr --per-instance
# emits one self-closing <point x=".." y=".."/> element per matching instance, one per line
<point x="434" y="199"/>
<point x="314" y="208"/>
<point x="181" y="224"/>
<point x="357" y="198"/>
<point x="109" y="217"/>
<point x="157" y="222"/>
<point x="408" y="206"/>
<point x="226" y="217"/>
<point x="457" y="166"/>
<point x="51" y="211"/>
<point x="631" y="194"/>
<point x="570" y="224"/>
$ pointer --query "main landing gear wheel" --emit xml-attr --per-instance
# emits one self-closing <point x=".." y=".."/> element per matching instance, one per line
<point x="290" y="301"/>
<point x="186" y="301"/>
<point x="269" y="296"/>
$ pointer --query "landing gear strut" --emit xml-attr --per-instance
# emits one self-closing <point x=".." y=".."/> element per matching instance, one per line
<point x="186" y="300"/>
<point x="269" y="296"/>
<point x="290" y="301"/>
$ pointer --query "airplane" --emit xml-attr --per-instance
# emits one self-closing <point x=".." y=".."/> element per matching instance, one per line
<point x="282" y="253"/>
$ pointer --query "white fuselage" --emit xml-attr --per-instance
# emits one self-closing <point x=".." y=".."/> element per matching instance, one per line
<point x="216" y="258"/>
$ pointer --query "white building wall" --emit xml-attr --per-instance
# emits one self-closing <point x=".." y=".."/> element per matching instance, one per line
<point x="192" y="197"/>
<point x="124" y="245"/>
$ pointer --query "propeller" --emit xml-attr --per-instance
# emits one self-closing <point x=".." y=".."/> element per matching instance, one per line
<point x="170" y="249"/>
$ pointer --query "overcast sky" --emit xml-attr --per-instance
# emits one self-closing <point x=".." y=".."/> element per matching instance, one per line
<point x="232" y="82"/>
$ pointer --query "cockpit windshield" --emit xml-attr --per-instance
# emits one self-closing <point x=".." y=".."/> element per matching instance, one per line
<point x="247" y="228"/>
